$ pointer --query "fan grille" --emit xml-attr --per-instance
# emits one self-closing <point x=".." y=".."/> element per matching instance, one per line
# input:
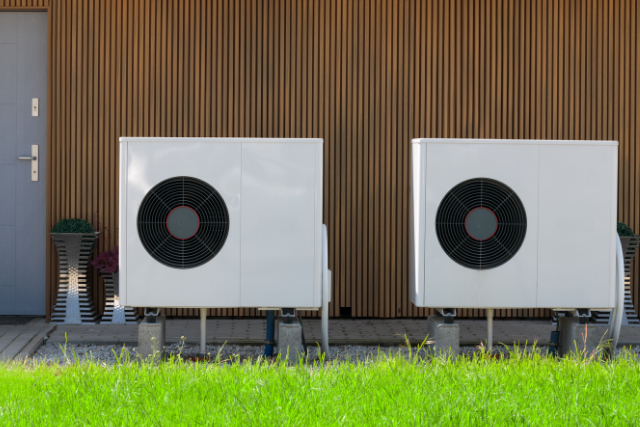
<point x="476" y="199"/>
<point x="193" y="249"/>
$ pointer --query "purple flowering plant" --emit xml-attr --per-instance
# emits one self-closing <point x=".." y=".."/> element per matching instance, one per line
<point x="107" y="262"/>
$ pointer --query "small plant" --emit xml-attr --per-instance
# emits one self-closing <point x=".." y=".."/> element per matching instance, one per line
<point x="108" y="236"/>
<point x="73" y="225"/>
<point x="624" y="230"/>
<point x="107" y="262"/>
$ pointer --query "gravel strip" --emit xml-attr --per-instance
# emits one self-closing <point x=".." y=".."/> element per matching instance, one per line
<point x="108" y="354"/>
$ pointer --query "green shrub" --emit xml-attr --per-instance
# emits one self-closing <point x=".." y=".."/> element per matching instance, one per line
<point x="74" y="225"/>
<point x="624" y="230"/>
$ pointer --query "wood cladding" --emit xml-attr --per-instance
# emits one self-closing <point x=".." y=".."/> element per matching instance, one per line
<point x="365" y="75"/>
<point x="24" y="4"/>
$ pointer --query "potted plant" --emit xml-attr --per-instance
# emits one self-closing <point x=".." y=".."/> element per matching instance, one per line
<point x="74" y="240"/>
<point x="107" y="264"/>
<point x="630" y="242"/>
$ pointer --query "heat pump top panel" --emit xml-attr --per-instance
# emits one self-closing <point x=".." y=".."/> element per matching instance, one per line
<point x="513" y="223"/>
<point x="220" y="222"/>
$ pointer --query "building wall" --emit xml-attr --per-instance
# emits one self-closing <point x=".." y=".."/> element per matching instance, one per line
<point x="24" y="4"/>
<point x="365" y="75"/>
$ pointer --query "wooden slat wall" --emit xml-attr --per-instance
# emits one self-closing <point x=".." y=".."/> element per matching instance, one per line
<point x="365" y="75"/>
<point x="24" y="4"/>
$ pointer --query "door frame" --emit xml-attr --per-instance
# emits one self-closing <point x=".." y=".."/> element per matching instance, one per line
<point x="49" y="246"/>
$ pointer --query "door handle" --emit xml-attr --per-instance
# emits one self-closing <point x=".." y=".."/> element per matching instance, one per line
<point x="34" y="162"/>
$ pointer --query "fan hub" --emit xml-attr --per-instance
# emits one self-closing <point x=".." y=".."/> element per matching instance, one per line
<point x="183" y="222"/>
<point x="481" y="224"/>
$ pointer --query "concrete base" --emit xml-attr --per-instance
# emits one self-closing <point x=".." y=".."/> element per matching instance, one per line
<point x="289" y="339"/>
<point x="445" y="336"/>
<point x="151" y="337"/>
<point x="576" y="337"/>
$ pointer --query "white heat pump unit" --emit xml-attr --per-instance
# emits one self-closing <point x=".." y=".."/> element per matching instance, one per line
<point x="513" y="224"/>
<point x="222" y="222"/>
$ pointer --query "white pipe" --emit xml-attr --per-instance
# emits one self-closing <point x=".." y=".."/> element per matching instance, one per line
<point x="326" y="290"/>
<point x="618" y="310"/>
<point x="489" y="328"/>
<point x="203" y="331"/>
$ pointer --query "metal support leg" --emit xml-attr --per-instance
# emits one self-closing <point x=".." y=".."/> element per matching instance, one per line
<point x="203" y="332"/>
<point x="489" y="328"/>
<point x="326" y="291"/>
<point x="325" y="318"/>
<point x="449" y="314"/>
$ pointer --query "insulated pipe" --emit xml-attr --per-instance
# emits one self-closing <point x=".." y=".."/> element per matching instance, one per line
<point x="203" y="332"/>
<point x="271" y="320"/>
<point x="325" y="317"/>
<point x="326" y="290"/>
<point x="618" y="310"/>
<point x="489" y="328"/>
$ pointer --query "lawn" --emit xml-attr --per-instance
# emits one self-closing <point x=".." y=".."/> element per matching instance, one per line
<point x="390" y="390"/>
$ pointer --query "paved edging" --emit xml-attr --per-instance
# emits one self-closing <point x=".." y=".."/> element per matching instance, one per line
<point x="35" y="343"/>
<point x="385" y="332"/>
<point x="23" y="340"/>
<point x="382" y="343"/>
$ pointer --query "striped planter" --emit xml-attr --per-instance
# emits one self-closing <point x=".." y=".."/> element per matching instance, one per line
<point x="74" y="303"/>
<point x="629" y="249"/>
<point x="113" y="311"/>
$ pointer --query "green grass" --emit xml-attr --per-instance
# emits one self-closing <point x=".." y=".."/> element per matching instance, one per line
<point x="521" y="390"/>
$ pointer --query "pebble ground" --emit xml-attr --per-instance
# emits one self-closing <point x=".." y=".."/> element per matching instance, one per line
<point x="109" y="354"/>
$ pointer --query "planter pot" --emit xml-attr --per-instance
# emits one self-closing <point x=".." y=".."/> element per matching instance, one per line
<point x="113" y="311"/>
<point x="75" y="300"/>
<point x="629" y="248"/>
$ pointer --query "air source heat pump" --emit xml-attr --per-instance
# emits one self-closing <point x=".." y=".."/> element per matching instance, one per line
<point x="222" y="222"/>
<point x="514" y="224"/>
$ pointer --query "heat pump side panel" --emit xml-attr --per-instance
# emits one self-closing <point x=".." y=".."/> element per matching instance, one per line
<point x="417" y="232"/>
<point x="280" y="224"/>
<point x="213" y="284"/>
<point x="318" y="218"/>
<point x="122" y="221"/>
<point x="577" y="222"/>
<point x="511" y="285"/>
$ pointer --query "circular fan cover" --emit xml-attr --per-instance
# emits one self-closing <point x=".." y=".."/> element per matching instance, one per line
<point x="481" y="223"/>
<point x="183" y="222"/>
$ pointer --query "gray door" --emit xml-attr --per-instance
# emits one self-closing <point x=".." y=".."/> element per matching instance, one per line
<point x="23" y="233"/>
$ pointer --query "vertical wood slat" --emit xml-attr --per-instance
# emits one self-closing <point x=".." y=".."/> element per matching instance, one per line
<point x="25" y="4"/>
<point x="365" y="75"/>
